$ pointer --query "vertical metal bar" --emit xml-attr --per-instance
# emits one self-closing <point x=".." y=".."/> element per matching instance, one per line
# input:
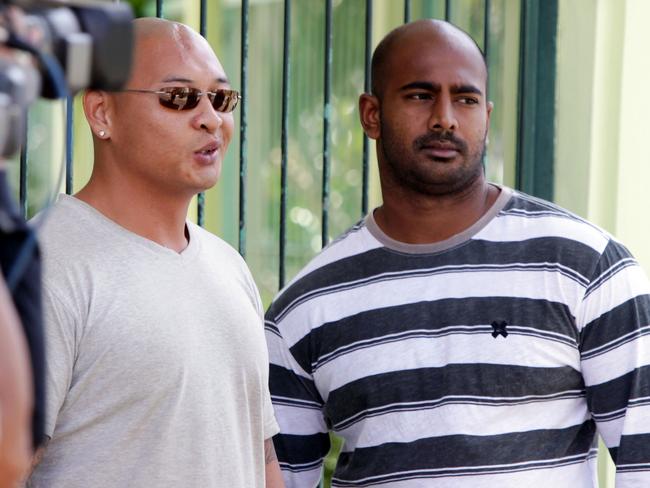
<point x="486" y="29"/>
<point x="537" y="71"/>
<point x="486" y="51"/>
<point x="407" y="11"/>
<point x="200" y="198"/>
<point x="243" y="128"/>
<point x="448" y="10"/>
<point x="22" y="192"/>
<point x="286" y="62"/>
<point x="159" y="8"/>
<point x="69" y="111"/>
<point x="367" y="88"/>
<point x="327" y="113"/>
<point x="527" y="82"/>
<point x="203" y="16"/>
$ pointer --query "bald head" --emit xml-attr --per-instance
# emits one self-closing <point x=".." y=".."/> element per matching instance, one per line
<point x="148" y="28"/>
<point x="163" y="131"/>
<point x="160" y="39"/>
<point x="429" y="32"/>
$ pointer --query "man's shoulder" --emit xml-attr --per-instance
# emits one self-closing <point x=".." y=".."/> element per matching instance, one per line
<point x="352" y="243"/>
<point x="64" y="227"/>
<point x="217" y="255"/>
<point x="538" y="218"/>
<point x="70" y="250"/>
<point x="534" y="207"/>
<point x="213" y="245"/>
<point x="331" y="266"/>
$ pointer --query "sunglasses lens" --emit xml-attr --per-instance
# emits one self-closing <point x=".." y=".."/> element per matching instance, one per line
<point x="184" y="98"/>
<point x="222" y="101"/>
<point x="217" y="98"/>
<point x="225" y="100"/>
<point x="233" y="99"/>
<point x="180" y="98"/>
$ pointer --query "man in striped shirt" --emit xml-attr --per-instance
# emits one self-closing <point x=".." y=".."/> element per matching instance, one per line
<point x="463" y="334"/>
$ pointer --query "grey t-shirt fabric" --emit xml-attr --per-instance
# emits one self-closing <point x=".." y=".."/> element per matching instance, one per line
<point x="157" y="369"/>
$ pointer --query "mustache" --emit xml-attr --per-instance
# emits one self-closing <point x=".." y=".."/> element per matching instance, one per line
<point x="440" y="137"/>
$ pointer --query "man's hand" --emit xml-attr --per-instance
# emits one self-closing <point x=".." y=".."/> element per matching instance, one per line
<point x="16" y="395"/>
<point x="273" y="473"/>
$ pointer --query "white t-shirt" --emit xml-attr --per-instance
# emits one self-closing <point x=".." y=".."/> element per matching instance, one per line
<point x="157" y="369"/>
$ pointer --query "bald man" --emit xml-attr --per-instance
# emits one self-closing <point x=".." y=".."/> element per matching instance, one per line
<point x="463" y="334"/>
<point x="157" y="365"/>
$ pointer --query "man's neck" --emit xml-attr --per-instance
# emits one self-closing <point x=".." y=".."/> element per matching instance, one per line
<point x="150" y="213"/>
<point x="426" y="219"/>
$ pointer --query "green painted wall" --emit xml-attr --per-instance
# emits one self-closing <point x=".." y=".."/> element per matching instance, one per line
<point x="633" y="196"/>
<point x="602" y="169"/>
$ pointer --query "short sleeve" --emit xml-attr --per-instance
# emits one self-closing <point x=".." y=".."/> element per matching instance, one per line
<point x="61" y="332"/>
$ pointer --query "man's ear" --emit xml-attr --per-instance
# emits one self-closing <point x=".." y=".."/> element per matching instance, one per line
<point x="489" y="108"/>
<point x="369" y="115"/>
<point x="96" y="106"/>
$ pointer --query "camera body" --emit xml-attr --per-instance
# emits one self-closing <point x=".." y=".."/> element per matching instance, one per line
<point x="91" y="42"/>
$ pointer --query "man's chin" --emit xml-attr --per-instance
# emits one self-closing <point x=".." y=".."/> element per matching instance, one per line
<point x="208" y="178"/>
<point x="205" y="187"/>
<point x="198" y="186"/>
<point x="439" y="184"/>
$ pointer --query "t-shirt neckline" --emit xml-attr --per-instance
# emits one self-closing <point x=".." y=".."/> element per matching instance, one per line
<point x="187" y="253"/>
<point x="453" y="241"/>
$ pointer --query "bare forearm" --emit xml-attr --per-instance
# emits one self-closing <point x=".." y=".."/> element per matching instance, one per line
<point x="273" y="473"/>
<point x="15" y="394"/>
<point x="38" y="455"/>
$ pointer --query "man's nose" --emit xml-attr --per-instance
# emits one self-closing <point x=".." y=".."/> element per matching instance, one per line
<point x="443" y="117"/>
<point x="207" y="118"/>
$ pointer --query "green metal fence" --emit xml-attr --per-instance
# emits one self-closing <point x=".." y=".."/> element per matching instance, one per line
<point x="336" y="38"/>
<point x="302" y="170"/>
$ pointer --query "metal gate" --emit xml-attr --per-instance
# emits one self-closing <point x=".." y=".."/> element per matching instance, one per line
<point x="301" y="170"/>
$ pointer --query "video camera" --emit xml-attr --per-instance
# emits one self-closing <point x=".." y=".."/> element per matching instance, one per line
<point x="72" y="45"/>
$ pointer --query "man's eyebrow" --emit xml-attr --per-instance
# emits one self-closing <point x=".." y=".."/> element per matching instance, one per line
<point x="435" y="87"/>
<point x="180" y="79"/>
<point x="455" y="89"/>
<point x="422" y="85"/>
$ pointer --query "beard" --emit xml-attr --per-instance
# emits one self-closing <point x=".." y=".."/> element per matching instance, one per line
<point x="429" y="175"/>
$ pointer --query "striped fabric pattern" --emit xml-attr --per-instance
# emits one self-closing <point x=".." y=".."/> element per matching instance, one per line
<point x="490" y="363"/>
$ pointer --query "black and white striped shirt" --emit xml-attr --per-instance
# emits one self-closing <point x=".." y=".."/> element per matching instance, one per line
<point x="487" y="360"/>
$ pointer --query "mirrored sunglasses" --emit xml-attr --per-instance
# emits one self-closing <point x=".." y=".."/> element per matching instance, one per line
<point x="185" y="98"/>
